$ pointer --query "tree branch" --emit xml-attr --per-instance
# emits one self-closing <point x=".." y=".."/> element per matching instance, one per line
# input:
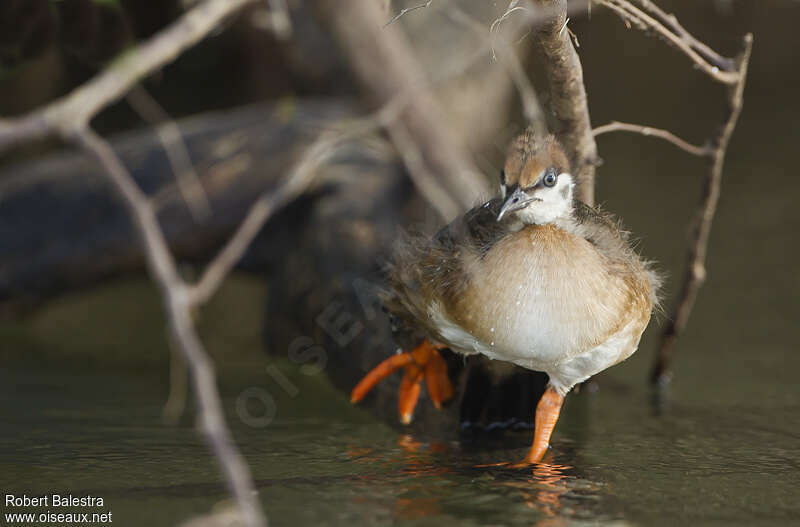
<point x="530" y="101"/>
<point x="695" y="267"/>
<point x="177" y="305"/>
<point x="69" y="117"/>
<point x="569" y="102"/>
<point x="75" y="110"/>
<point x="671" y="22"/>
<point x="719" y="70"/>
<point x="383" y="62"/>
<point x="169" y="134"/>
<point x="724" y="70"/>
<point x="649" y="131"/>
<point x="406" y="10"/>
<point x="299" y="179"/>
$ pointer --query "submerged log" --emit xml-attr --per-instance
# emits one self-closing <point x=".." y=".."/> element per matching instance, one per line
<point x="61" y="228"/>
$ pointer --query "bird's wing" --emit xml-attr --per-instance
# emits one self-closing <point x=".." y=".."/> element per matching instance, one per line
<point x="423" y="268"/>
<point x="603" y="230"/>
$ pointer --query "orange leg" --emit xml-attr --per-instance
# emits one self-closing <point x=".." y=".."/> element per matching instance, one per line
<point x="546" y="416"/>
<point x="377" y="374"/>
<point x="424" y="361"/>
<point x="408" y="394"/>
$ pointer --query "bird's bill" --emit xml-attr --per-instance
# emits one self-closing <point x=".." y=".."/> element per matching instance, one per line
<point x="517" y="200"/>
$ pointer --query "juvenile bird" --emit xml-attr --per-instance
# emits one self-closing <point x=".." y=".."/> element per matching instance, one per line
<point x="533" y="277"/>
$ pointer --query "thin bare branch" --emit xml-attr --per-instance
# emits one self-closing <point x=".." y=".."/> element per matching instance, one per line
<point x="671" y="21"/>
<point x="75" y="110"/>
<point x="178" y="384"/>
<point x="385" y="66"/>
<point x="422" y="178"/>
<point x="407" y="10"/>
<point x="530" y="101"/>
<point x="298" y="180"/>
<point x="635" y="16"/>
<point x="513" y="7"/>
<point x="69" y="117"/>
<point x="695" y="267"/>
<point x="649" y="131"/>
<point x="170" y="136"/>
<point x="177" y="305"/>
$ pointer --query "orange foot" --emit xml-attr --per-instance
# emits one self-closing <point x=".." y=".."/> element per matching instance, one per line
<point x="423" y="361"/>
<point x="546" y="416"/>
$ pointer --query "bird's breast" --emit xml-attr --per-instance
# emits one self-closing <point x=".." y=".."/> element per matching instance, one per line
<point x="539" y="296"/>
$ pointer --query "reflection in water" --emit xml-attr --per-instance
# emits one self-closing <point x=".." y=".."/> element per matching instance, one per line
<point x="422" y="465"/>
<point x="546" y="487"/>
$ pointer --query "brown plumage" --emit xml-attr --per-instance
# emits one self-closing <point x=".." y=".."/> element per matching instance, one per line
<point x="532" y="277"/>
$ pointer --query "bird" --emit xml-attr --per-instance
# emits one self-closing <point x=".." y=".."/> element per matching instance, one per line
<point x="532" y="277"/>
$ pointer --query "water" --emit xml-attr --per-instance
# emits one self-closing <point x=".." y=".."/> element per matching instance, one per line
<point x="725" y="459"/>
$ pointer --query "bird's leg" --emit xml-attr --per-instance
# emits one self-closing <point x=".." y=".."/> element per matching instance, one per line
<point x="424" y="361"/>
<point x="440" y="389"/>
<point x="408" y="394"/>
<point x="378" y="373"/>
<point x="546" y="416"/>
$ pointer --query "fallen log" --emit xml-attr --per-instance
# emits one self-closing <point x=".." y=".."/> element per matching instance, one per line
<point x="61" y="229"/>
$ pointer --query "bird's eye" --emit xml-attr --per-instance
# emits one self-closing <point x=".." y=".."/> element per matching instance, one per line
<point x="550" y="177"/>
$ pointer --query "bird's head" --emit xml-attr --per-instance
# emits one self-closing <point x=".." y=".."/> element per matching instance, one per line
<point x="535" y="183"/>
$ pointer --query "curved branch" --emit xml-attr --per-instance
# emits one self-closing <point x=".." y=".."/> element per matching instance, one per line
<point x="176" y="303"/>
<point x="695" y="266"/>
<point x="649" y="131"/>
<point x="69" y="117"/>
<point x="671" y="21"/>
<point x="298" y="180"/>
<point x="75" y="110"/>
<point x="642" y="20"/>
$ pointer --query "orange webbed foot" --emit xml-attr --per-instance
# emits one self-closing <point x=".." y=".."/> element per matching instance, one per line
<point x="547" y="411"/>
<point x="423" y="362"/>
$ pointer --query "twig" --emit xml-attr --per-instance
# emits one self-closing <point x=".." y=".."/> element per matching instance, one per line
<point x="642" y="20"/>
<point x="170" y="136"/>
<point x="530" y="101"/>
<point x="695" y="268"/>
<point x="724" y="70"/>
<point x="422" y="178"/>
<point x="178" y="385"/>
<point x="177" y="306"/>
<point x="513" y="7"/>
<point x="298" y="180"/>
<point x="406" y="10"/>
<point x="385" y="66"/>
<point x="69" y="117"/>
<point x="671" y="21"/>
<point x="79" y="106"/>
<point x="616" y="126"/>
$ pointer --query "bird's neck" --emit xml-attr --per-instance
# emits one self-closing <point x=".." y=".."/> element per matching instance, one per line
<point x="547" y="213"/>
